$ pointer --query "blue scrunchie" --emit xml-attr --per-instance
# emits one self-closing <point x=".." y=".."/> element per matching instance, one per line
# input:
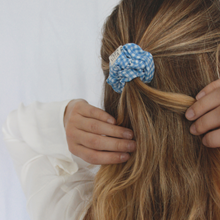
<point x="129" y="62"/>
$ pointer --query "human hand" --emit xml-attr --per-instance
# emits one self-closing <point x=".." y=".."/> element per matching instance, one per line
<point x="206" y="112"/>
<point x="91" y="132"/>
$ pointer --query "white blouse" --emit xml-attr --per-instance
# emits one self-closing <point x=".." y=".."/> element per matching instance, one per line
<point x="56" y="183"/>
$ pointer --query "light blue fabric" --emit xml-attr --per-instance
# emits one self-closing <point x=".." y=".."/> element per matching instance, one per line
<point x="129" y="62"/>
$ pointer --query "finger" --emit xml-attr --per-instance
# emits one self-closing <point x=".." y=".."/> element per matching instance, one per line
<point x="100" y="157"/>
<point x="212" y="139"/>
<point x="90" y="111"/>
<point x="205" y="104"/>
<point x="99" y="127"/>
<point x="98" y="142"/>
<point x="209" y="88"/>
<point x="207" y="122"/>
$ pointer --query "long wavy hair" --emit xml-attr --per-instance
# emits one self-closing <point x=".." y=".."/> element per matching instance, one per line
<point x="171" y="175"/>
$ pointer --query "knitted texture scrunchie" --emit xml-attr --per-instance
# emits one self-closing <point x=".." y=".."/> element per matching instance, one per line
<point x="129" y="62"/>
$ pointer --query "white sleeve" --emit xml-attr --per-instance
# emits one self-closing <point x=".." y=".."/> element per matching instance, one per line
<point x="56" y="183"/>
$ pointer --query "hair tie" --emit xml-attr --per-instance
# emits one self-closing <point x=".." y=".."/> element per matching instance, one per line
<point x="129" y="62"/>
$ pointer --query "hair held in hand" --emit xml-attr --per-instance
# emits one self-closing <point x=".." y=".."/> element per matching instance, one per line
<point x="171" y="175"/>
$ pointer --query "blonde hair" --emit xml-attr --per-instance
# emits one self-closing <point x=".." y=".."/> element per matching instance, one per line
<point x="172" y="175"/>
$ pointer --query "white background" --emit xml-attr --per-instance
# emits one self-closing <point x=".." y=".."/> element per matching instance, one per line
<point x="49" y="51"/>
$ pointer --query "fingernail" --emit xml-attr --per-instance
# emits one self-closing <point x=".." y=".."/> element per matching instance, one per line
<point x="200" y="95"/>
<point x="193" y="129"/>
<point x="127" y="135"/>
<point x="111" y="121"/>
<point x="124" y="157"/>
<point x="131" y="147"/>
<point x="190" y="114"/>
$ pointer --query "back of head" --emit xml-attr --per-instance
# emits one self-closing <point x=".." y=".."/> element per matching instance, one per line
<point x="172" y="175"/>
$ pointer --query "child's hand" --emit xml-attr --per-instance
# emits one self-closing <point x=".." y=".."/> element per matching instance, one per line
<point x="90" y="134"/>
<point x="206" y="112"/>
